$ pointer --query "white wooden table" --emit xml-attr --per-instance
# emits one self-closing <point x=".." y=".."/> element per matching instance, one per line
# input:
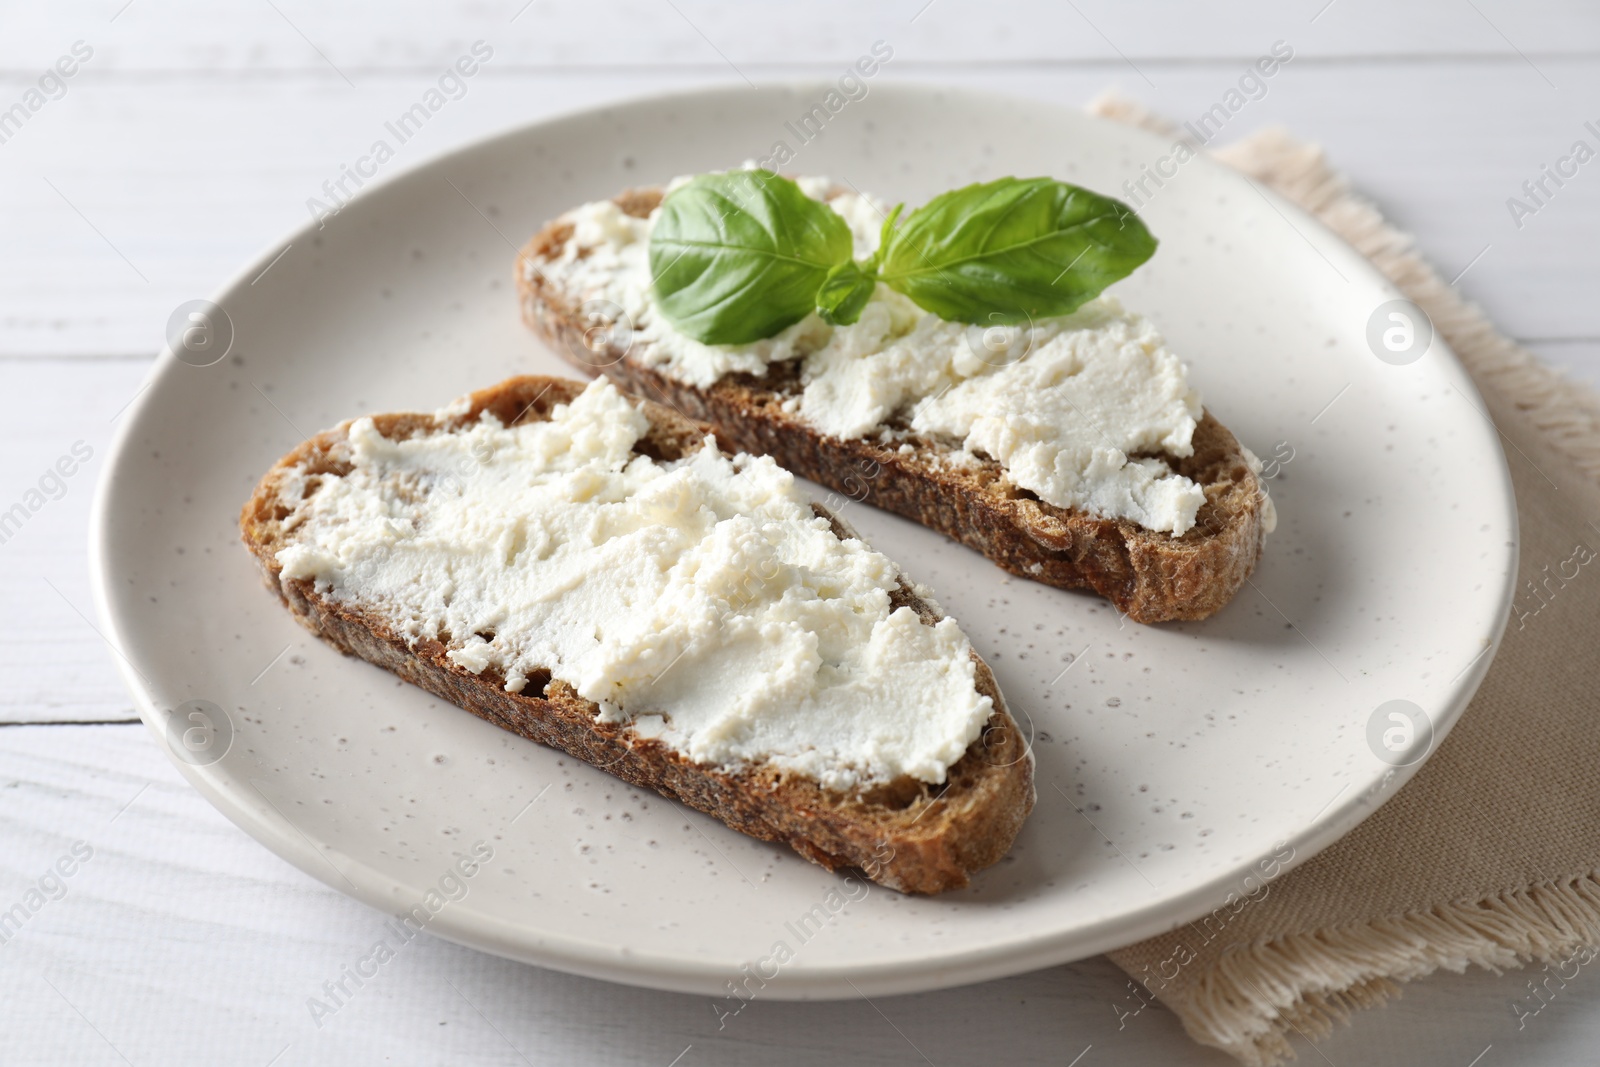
<point x="190" y="138"/>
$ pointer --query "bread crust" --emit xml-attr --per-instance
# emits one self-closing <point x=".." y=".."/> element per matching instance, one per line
<point x="1150" y="576"/>
<point x="907" y="835"/>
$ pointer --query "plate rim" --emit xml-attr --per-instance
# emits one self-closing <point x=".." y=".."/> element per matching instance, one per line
<point x="463" y="925"/>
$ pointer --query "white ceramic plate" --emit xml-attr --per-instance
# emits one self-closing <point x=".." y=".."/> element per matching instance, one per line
<point x="1176" y="764"/>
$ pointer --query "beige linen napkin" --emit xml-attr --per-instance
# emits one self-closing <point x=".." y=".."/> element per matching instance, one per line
<point x="1491" y="854"/>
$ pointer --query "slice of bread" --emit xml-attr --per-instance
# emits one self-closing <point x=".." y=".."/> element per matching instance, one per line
<point x="1149" y="576"/>
<point x="910" y="835"/>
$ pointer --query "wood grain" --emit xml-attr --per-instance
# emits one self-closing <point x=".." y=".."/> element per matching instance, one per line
<point x="371" y="35"/>
<point x="53" y="663"/>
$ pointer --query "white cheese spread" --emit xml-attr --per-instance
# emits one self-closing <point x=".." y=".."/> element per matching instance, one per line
<point x="1079" y="409"/>
<point x="699" y="599"/>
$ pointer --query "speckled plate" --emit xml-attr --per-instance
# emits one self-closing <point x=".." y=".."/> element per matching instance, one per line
<point x="1177" y="764"/>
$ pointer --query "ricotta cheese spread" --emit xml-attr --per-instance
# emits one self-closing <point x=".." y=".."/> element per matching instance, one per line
<point x="699" y="599"/>
<point x="1078" y="409"/>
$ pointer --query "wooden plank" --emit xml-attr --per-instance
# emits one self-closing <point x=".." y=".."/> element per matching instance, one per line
<point x="151" y="198"/>
<point x="180" y="941"/>
<point x="1578" y="359"/>
<point x="54" y="665"/>
<point x="349" y="40"/>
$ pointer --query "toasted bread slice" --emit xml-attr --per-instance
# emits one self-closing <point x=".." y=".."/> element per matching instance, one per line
<point x="1149" y="576"/>
<point x="910" y="835"/>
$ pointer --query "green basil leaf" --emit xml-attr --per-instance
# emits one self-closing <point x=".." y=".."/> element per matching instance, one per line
<point x="845" y="291"/>
<point x="884" y="237"/>
<point x="739" y="256"/>
<point x="1013" y="250"/>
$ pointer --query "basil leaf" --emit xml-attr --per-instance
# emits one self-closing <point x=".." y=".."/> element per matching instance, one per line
<point x="884" y="237"/>
<point x="739" y="256"/>
<point x="844" y="293"/>
<point x="1013" y="250"/>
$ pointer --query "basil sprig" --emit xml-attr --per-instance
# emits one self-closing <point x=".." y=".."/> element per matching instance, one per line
<point x="740" y="256"/>
<point x="1014" y="249"/>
